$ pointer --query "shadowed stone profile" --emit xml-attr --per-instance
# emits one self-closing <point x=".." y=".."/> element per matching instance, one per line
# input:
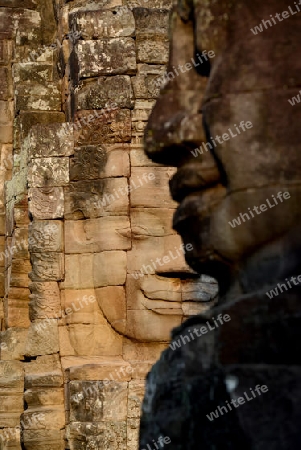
<point x="249" y="173"/>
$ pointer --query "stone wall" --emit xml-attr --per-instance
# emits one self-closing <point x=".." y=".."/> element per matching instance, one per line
<point x="93" y="278"/>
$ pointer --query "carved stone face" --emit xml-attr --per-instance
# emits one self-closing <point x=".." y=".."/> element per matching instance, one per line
<point x="242" y="101"/>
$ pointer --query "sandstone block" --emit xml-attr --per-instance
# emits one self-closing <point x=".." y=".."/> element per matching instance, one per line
<point x="96" y="198"/>
<point x="17" y="313"/>
<point x="6" y="113"/>
<point x="152" y="50"/>
<point x="101" y="161"/>
<point x="44" y="300"/>
<point x="79" y="271"/>
<point x="144" y="83"/>
<point x="112" y="302"/>
<point x="5" y="86"/>
<point x="102" y="268"/>
<point x="92" y="339"/>
<point x="152" y="191"/>
<point x="52" y="418"/>
<point x="152" y="35"/>
<point x="45" y="371"/>
<point x="48" y="266"/>
<point x="133" y="426"/>
<point x="11" y="384"/>
<point x="96" y="401"/>
<point x="44" y="439"/>
<point x="115" y="56"/>
<point x="48" y="172"/>
<point x="10" y="439"/>
<point x="42" y="338"/>
<point x="46" y="203"/>
<point x="104" y="23"/>
<point x="117" y="89"/>
<point x="100" y="435"/>
<point x="54" y="139"/>
<point x="110" y="127"/>
<point x="5" y="51"/>
<point x="33" y="72"/>
<point x="13" y="343"/>
<point x="40" y="397"/>
<point x="46" y="235"/>
<point x="135" y="397"/>
<point x="97" y="235"/>
<point x="149" y="326"/>
<point x="114" y="370"/>
<point x="38" y="97"/>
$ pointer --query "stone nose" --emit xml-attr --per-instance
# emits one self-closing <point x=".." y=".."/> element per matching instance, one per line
<point x="173" y="130"/>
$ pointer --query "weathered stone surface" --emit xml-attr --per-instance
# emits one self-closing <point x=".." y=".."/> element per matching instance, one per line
<point x="107" y="260"/>
<point x="46" y="235"/>
<point x="44" y="439"/>
<point x="42" y="338"/>
<point x="152" y="188"/>
<point x="55" y="139"/>
<point x="96" y="198"/>
<point x="10" y="439"/>
<point x="144" y="83"/>
<point x="45" y="371"/>
<point x="17" y="312"/>
<point x="101" y="161"/>
<point x="48" y="172"/>
<point x="115" y="56"/>
<point x="47" y="266"/>
<point x="37" y="73"/>
<point x="104" y="434"/>
<point x="5" y="87"/>
<point x="11" y="384"/>
<point x="110" y="127"/>
<point x="46" y="202"/>
<point x="146" y="4"/>
<point x="92" y="339"/>
<point x="152" y="35"/>
<point x="38" y="97"/>
<point x="110" y="369"/>
<point x="136" y="393"/>
<point x="97" y="235"/>
<point x="117" y="89"/>
<point x="92" y="401"/>
<point x="79" y="306"/>
<point x="117" y="22"/>
<point x="132" y="433"/>
<point x="13" y="343"/>
<point x="44" y="300"/>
